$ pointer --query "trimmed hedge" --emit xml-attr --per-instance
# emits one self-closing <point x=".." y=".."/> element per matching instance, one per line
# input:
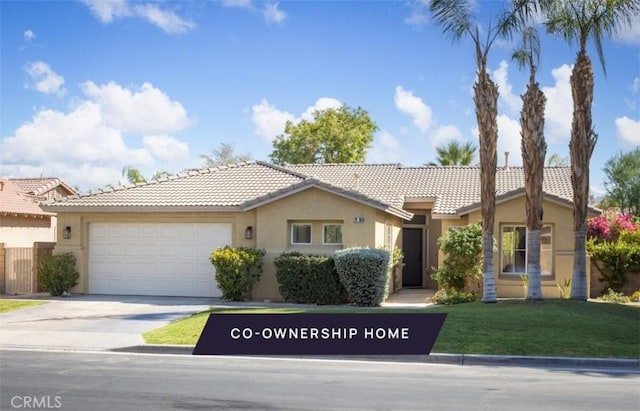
<point x="363" y="272"/>
<point x="57" y="274"/>
<point x="237" y="271"/>
<point x="308" y="279"/>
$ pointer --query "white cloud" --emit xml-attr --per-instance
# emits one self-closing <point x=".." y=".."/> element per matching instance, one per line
<point x="269" y="122"/>
<point x="419" y="15"/>
<point x="273" y="14"/>
<point x="501" y="76"/>
<point x="87" y="147"/>
<point x="44" y="79"/>
<point x="509" y="139"/>
<point x="166" y="148"/>
<point x="244" y="4"/>
<point x="628" y="131"/>
<point x="385" y="149"/>
<point x="631" y="33"/>
<point x="145" y="111"/>
<point x="446" y="134"/>
<point x="635" y="85"/>
<point x="323" y="103"/>
<point x="77" y="137"/>
<point x="559" y="108"/>
<point x="109" y="10"/>
<point x="409" y="104"/>
<point x="29" y="35"/>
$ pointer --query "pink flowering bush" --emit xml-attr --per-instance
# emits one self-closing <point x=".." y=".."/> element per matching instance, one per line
<point x="604" y="228"/>
<point x="614" y="246"/>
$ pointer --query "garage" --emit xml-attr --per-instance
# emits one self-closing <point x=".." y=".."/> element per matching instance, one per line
<point x="169" y="259"/>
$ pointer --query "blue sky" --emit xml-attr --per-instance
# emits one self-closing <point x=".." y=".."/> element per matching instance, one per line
<point x="90" y="86"/>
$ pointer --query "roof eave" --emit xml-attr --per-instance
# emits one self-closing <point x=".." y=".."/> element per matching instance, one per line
<point x="321" y="185"/>
<point x="141" y="209"/>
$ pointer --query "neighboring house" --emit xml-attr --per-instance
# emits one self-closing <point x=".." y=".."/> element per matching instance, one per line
<point x="155" y="238"/>
<point x="44" y="188"/>
<point x="22" y="221"/>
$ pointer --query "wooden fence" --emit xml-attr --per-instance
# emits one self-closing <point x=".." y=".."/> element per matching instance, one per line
<point x="19" y="273"/>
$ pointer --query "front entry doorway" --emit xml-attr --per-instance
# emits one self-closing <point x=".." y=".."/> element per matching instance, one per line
<point x="412" y="248"/>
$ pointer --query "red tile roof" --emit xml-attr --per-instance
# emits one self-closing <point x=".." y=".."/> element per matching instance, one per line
<point x="40" y="185"/>
<point x="13" y="201"/>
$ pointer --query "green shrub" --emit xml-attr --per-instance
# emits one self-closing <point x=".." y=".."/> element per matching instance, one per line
<point x="614" y="297"/>
<point x="450" y="297"/>
<point x="237" y="271"/>
<point x="615" y="259"/>
<point x="635" y="297"/>
<point x="308" y="279"/>
<point x="57" y="274"/>
<point x="363" y="272"/>
<point x="463" y="263"/>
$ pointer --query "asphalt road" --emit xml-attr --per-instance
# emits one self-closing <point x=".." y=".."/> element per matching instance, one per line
<point x="121" y="381"/>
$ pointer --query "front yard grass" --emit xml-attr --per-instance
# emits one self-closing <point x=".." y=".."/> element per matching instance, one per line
<point x="11" y="305"/>
<point x="510" y="327"/>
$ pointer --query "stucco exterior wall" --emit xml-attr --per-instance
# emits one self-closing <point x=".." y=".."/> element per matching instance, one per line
<point x="79" y="223"/>
<point x="16" y="231"/>
<point x="560" y="217"/>
<point x="313" y="206"/>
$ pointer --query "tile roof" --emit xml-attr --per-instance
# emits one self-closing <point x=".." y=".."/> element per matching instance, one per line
<point x="13" y="201"/>
<point x="40" y="185"/>
<point x="227" y="186"/>
<point x="450" y="187"/>
<point x="384" y="186"/>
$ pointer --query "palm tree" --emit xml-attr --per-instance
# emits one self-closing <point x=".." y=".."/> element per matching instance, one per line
<point x="133" y="174"/>
<point x="579" y="21"/>
<point x="455" y="154"/>
<point x="457" y="21"/>
<point x="556" y="160"/>
<point x="534" y="150"/>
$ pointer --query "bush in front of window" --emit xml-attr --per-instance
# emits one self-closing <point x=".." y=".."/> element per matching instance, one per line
<point x="308" y="279"/>
<point x="57" y="274"/>
<point x="462" y="266"/>
<point x="363" y="272"/>
<point x="237" y="271"/>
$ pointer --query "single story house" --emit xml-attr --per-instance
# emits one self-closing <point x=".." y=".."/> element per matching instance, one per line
<point x="155" y="238"/>
<point x="22" y="221"/>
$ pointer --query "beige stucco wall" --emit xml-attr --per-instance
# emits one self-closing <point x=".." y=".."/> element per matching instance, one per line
<point x="24" y="231"/>
<point x="560" y="217"/>
<point x="79" y="223"/>
<point x="317" y="207"/>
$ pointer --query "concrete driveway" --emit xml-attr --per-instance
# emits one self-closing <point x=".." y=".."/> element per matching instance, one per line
<point x="93" y="322"/>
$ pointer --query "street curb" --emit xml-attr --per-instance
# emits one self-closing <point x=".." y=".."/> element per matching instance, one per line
<point x="435" y="358"/>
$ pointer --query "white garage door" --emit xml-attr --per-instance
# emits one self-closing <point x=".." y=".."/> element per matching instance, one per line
<point x="154" y="258"/>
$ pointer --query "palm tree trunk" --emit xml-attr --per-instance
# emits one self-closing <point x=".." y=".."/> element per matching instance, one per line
<point x="486" y="101"/>
<point x="534" y="150"/>
<point x="583" y="141"/>
<point x="534" y="288"/>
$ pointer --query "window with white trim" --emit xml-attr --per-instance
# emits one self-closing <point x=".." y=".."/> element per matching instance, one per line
<point x="332" y="234"/>
<point x="301" y="233"/>
<point x="513" y="243"/>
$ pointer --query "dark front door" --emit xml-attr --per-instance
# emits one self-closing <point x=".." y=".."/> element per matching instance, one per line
<point x="412" y="248"/>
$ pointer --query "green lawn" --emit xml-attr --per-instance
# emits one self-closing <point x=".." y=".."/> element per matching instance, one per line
<point x="511" y="327"/>
<point x="11" y="305"/>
